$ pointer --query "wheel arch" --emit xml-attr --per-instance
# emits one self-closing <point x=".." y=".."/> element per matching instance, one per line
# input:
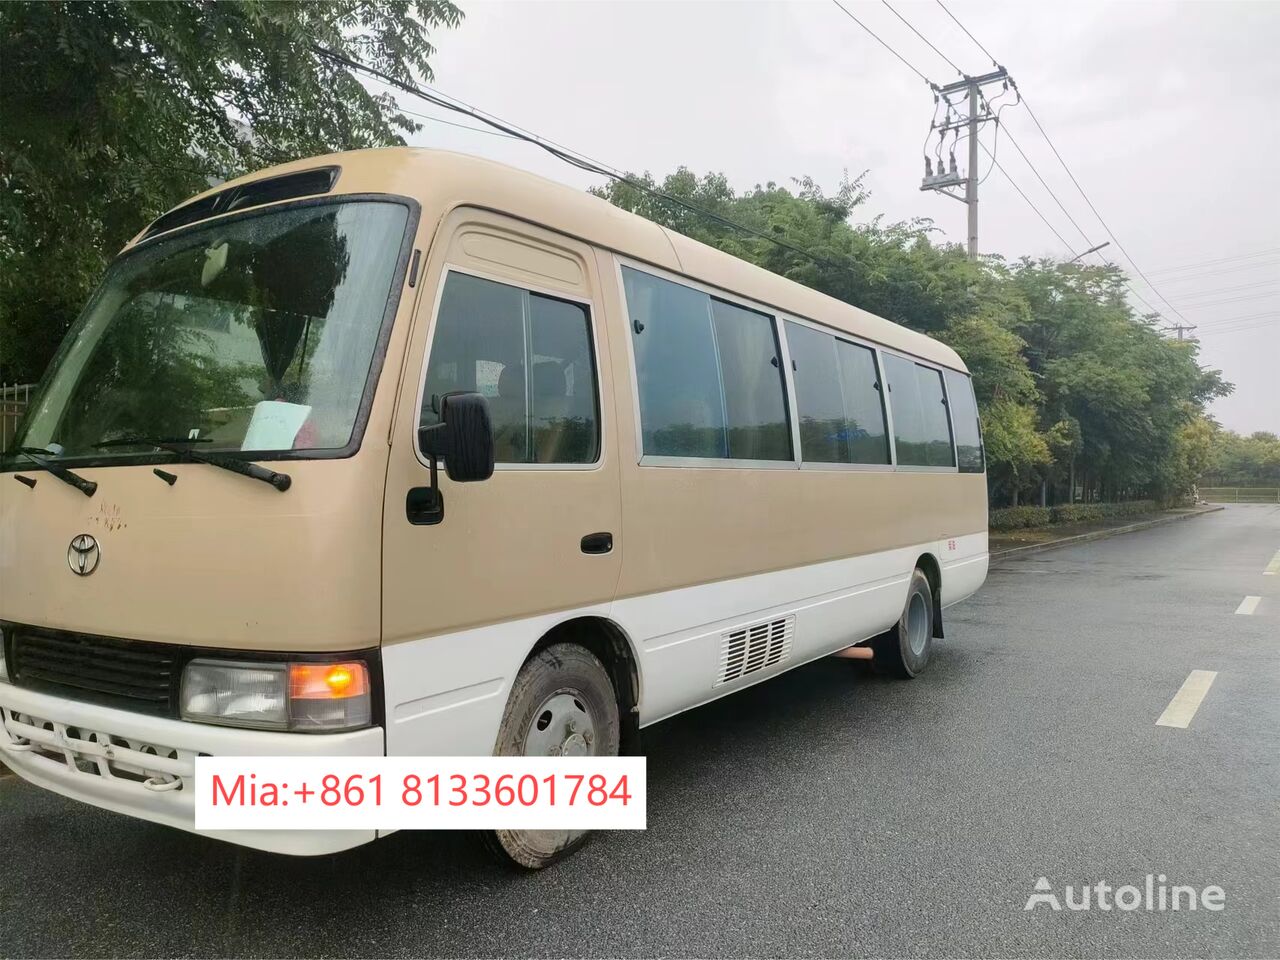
<point x="928" y="564"/>
<point x="610" y="643"/>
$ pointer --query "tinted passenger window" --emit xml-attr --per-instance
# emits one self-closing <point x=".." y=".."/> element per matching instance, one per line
<point x="839" y="400"/>
<point x="530" y="356"/>
<point x="964" y="420"/>
<point x="908" y="417"/>
<point x="819" y="400"/>
<point x="708" y="382"/>
<point x="920" y="428"/>
<point x="937" y="427"/>
<point x="863" y="404"/>
<point x="754" y="394"/>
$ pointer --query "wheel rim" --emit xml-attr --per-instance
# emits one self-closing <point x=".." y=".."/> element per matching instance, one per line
<point x="562" y="727"/>
<point x="917" y="624"/>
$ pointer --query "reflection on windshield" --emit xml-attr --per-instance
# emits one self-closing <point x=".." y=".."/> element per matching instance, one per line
<point x="250" y="335"/>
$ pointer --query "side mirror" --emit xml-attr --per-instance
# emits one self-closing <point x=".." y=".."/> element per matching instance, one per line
<point x="463" y="437"/>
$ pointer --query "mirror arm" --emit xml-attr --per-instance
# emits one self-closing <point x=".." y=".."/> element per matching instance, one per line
<point x="432" y="447"/>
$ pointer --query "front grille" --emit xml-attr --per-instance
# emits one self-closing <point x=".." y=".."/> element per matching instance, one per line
<point x="131" y="676"/>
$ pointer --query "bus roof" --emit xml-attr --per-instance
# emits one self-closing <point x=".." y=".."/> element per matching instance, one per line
<point x="441" y="180"/>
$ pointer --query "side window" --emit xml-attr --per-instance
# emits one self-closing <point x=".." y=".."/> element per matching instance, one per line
<point x="938" y="451"/>
<point x="754" y="393"/>
<point x="820" y="402"/>
<point x="840" y="399"/>
<point x="964" y="420"/>
<point x="681" y="400"/>
<point x="908" y="415"/>
<point x="530" y="356"/>
<point x="863" y="404"/>
<point x="708" y="374"/>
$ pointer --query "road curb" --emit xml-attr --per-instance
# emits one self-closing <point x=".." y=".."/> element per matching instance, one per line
<point x="1014" y="552"/>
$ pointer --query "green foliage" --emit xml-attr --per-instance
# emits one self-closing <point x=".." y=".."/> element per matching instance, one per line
<point x="114" y="112"/>
<point x="1236" y="461"/>
<point x="1074" y="389"/>
<point x="1093" y="512"/>
<point x="1019" y="518"/>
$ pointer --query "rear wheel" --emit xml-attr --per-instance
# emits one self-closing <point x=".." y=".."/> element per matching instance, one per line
<point x="562" y="704"/>
<point x="904" y="650"/>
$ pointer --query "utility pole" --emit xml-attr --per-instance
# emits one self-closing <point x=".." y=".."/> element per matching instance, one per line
<point x="971" y="183"/>
<point x="978" y="112"/>
<point x="1180" y="329"/>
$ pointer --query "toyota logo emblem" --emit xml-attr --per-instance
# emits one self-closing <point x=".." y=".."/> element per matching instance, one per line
<point x="83" y="555"/>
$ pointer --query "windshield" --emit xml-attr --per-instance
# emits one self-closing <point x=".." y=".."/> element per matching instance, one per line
<point x="253" y="334"/>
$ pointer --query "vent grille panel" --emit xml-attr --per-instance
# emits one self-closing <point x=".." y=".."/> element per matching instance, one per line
<point x="755" y="647"/>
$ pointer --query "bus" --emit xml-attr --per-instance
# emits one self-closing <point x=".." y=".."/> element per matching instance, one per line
<point x="404" y="452"/>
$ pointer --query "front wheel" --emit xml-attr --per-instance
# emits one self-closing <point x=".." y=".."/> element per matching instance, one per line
<point x="562" y="704"/>
<point x="904" y="650"/>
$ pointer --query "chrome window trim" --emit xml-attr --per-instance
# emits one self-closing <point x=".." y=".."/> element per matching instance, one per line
<point x="592" y="322"/>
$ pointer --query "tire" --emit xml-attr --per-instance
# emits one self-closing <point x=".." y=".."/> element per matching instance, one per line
<point x="561" y="704"/>
<point x="905" y="649"/>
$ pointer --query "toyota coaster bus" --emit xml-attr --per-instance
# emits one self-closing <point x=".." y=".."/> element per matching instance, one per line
<point x="404" y="452"/>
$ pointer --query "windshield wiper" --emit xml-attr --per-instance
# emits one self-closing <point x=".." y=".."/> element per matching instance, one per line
<point x="281" y="481"/>
<point x="87" y="487"/>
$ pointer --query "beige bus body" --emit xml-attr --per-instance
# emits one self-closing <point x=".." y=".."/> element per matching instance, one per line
<point x="820" y="553"/>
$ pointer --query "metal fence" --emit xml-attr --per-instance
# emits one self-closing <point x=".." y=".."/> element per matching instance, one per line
<point x="1241" y="494"/>
<point x="14" y="398"/>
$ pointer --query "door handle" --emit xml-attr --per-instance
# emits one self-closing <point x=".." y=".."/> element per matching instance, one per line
<point x="597" y="543"/>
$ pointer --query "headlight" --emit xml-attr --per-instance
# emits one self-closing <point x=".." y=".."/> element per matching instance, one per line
<point x="304" y="697"/>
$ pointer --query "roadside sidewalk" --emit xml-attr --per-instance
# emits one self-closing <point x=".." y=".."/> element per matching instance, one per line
<point x="1015" y="543"/>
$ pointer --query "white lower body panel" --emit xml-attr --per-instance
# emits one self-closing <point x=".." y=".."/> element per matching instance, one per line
<point x="446" y="694"/>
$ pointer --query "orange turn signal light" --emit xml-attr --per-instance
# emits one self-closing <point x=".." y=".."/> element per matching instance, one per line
<point x="328" y="681"/>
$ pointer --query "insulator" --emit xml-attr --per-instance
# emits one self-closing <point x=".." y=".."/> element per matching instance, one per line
<point x="928" y="167"/>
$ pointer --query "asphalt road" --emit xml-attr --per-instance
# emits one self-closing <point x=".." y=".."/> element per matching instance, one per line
<point x="827" y="813"/>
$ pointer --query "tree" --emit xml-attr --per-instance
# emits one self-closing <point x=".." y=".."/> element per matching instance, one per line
<point x="111" y="113"/>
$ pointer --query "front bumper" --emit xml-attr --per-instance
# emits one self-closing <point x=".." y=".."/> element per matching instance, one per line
<point x="144" y="766"/>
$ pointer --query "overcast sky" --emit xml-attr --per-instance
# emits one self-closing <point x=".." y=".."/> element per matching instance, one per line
<point x="1165" y="112"/>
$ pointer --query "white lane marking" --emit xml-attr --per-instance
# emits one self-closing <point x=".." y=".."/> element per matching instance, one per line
<point x="1187" y="700"/>
<point x="1248" y="605"/>
<point x="1273" y="568"/>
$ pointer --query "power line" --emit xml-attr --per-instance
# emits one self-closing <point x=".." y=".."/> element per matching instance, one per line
<point x="1014" y="183"/>
<point x="968" y="34"/>
<point x="922" y="37"/>
<point x="1225" y="320"/>
<point x="904" y="60"/>
<point x="1236" y="289"/>
<point x="1244" y="328"/>
<point x="572" y="157"/>
<point x="1238" y="268"/>
<point x="1205" y="263"/>
<point x="460" y="126"/>
<point x="1017" y="146"/>
<point x="1133" y="263"/>
<point x="1214" y="303"/>
<point x="1039" y="126"/>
